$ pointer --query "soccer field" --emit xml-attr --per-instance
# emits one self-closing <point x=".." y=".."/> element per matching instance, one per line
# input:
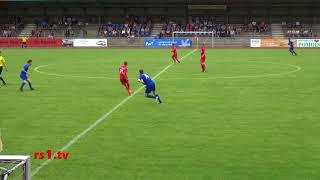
<point x="254" y="115"/>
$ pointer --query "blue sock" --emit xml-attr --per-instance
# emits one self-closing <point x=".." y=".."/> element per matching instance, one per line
<point x="30" y="85"/>
<point x="22" y="85"/>
<point x="150" y="96"/>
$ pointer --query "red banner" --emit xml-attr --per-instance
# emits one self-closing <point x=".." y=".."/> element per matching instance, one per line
<point x="32" y="42"/>
<point x="39" y="42"/>
<point x="10" y="42"/>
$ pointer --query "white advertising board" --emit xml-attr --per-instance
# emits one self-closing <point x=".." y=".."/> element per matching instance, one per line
<point x="308" y="43"/>
<point x="90" y="43"/>
<point x="255" y="43"/>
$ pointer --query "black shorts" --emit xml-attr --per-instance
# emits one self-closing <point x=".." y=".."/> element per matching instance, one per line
<point x="24" y="43"/>
<point x="1" y="68"/>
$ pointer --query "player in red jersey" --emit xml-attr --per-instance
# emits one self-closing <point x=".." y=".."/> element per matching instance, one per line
<point x="175" y="54"/>
<point x="203" y="58"/>
<point x="123" y="75"/>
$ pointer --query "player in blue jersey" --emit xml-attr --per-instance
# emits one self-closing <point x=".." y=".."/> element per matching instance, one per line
<point x="150" y="86"/>
<point x="24" y="75"/>
<point x="291" y="47"/>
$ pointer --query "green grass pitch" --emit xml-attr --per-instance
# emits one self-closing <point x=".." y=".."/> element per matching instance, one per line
<point x="254" y="115"/>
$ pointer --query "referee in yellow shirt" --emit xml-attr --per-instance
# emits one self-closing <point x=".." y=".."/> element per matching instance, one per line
<point x="2" y="65"/>
<point x="24" y="42"/>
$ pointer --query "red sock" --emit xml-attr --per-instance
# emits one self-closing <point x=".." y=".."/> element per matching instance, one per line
<point x="203" y="67"/>
<point x="128" y="89"/>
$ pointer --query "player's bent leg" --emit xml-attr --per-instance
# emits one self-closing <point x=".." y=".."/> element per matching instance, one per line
<point x="22" y="84"/>
<point x="173" y="59"/>
<point x="176" y="58"/>
<point x="150" y="96"/>
<point x="295" y="53"/>
<point x="128" y="88"/>
<point x="3" y="82"/>
<point x="203" y="66"/>
<point x="157" y="97"/>
<point x="30" y="84"/>
<point x="291" y="51"/>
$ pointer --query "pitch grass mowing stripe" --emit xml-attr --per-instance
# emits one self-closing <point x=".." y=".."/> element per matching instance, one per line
<point x="103" y="117"/>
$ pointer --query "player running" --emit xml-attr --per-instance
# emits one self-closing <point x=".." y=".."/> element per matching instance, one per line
<point x="123" y="75"/>
<point x="24" y="75"/>
<point x="291" y="48"/>
<point x="2" y="66"/>
<point x="150" y="86"/>
<point x="175" y="54"/>
<point x="203" y="58"/>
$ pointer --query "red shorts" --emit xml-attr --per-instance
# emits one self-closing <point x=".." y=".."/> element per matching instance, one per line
<point x="123" y="81"/>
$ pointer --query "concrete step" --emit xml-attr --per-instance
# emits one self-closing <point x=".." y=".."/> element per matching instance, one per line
<point x="27" y="30"/>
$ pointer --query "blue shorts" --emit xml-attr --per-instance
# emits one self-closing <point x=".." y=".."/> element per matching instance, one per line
<point x="23" y="77"/>
<point x="291" y="49"/>
<point x="150" y="88"/>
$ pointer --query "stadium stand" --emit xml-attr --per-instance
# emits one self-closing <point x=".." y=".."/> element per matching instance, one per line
<point x="132" y="26"/>
<point x="208" y="24"/>
<point x="298" y="30"/>
<point x="11" y="27"/>
<point x="126" y="23"/>
<point x="57" y="27"/>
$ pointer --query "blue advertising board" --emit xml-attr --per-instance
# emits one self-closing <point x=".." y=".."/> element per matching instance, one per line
<point x="167" y="42"/>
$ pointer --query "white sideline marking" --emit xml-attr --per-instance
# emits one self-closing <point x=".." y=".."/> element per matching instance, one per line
<point x="103" y="117"/>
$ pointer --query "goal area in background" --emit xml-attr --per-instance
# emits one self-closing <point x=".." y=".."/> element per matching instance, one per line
<point x="14" y="167"/>
<point x="198" y="38"/>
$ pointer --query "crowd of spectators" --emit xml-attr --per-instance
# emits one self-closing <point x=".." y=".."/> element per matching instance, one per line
<point x="141" y="26"/>
<point x="299" y="32"/>
<point x="200" y="24"/>
<point x="10" y="29"/>
<point x="258" y="27"/>
<point x="296" y="29"/>
<point x="131" y="27"/>
<point x="48" y="28"/>
<point x="206" y="24"/>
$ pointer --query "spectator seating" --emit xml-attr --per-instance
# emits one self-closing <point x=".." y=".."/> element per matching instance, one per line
<point x="132" y="26"/>
<point x="298" y="30"/>
<point x="8" y="30"/>
<point x="11" y="27"/>
<point x="206" y="24"/>
<point x="60" y="27"/>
